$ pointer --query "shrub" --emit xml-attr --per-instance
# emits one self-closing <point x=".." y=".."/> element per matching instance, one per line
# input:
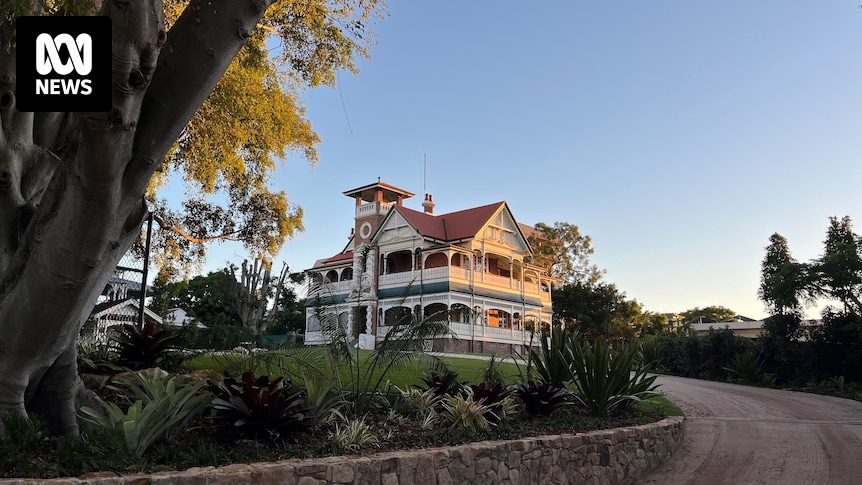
<point x="353" y="435"/>
<point x="551" y="361"/>
<point x="163" y="407"/>
<point x="748" y="366"/>
<point x="443" y="383"/>
<point x="142" y="347"/>
<point x="492" y="396"/>
<point x="650" y="352"/>
<point x="258" y="407"/>
<point x="491" y="373"/>
<point x="462" y="411"/>
<point x="605" y="380"/>
<point x="541" y="397"/>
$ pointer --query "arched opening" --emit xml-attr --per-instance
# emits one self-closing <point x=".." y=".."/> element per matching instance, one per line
<point x="312" y="324"/>
<point x="398" y="262"/>
<point x="459" y="313"/>
<point x="436" y="260"/>
<point x="499" y="318"/>
<point x="460" y="260"/>
<point x="396" y="315"/>
<point x="478" y="315"/>
<point x="331" y="276"/>
<point x="498" y="265"/>
<point x="531" y="323"/>
<point x="436" y="312"/>
<point x="347" y="274"/>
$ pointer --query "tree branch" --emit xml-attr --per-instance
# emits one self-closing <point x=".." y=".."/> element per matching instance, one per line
<point x="199" y="49"/>
<point x="165" y="225"/>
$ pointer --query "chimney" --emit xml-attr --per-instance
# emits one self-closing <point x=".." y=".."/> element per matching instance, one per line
<point x="428" y="204"/>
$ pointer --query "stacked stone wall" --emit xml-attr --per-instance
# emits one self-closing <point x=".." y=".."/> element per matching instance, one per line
<point x="606" y="457"/>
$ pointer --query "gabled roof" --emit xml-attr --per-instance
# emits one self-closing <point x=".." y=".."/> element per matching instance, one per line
<point x="453" y="226"/>
<point x="110" y="307"/>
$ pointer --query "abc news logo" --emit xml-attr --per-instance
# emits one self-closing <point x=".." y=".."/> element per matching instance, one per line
<point x="63" y="63"/>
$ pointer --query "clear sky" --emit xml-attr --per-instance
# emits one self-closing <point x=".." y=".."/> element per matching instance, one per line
<point x="678" y="134"/>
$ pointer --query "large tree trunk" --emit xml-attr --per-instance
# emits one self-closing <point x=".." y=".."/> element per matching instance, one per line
<point x="66" y="221"/>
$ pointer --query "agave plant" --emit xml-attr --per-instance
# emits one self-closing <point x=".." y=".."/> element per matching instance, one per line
<point x="541" y="397"/>
<point x="551" y="360"/>
<point x="748" y="366"/>
<point x="164" y="405"/>
<point x="604" y="380"/>
<point x="258" y="407"/>
<point x="142" y="347"/>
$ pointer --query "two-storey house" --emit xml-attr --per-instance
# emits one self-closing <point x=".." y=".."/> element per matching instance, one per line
<point x="471" y="265"/>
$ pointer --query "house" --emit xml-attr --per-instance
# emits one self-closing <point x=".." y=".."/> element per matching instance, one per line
<point x="115" y="312"/>
<point x="471" y="266"/>
<point x="118" y="304"/>
<point x="178" y="317"/>
<point x="746" y="327"/>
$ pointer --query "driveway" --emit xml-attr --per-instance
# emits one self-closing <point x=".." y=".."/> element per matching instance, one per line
<point x="746" y="435"/>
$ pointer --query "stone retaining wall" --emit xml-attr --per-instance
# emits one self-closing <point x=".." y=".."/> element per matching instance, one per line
<point x="614" y="456"/>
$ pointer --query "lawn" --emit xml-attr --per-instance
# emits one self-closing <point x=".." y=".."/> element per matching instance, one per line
<point x="292" y="362"/>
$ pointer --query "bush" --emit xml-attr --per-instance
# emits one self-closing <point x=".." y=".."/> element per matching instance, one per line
<point x="605" y="380"/>
<point x="541" y="397"/>
<point x="163" y="407"/>
<point x="701" y="356"/>
<point x="748" y="366"/>
<point x="258" y="407"/>
<point x="142" y="347"/>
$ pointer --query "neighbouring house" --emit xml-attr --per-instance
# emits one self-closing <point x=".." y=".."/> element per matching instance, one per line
<point x="744" y="327"/>
<point x="118" y="304"/>
<point x="110" y="313"/>
<point x="178" y="317"/>
<point x="470" y="265"/>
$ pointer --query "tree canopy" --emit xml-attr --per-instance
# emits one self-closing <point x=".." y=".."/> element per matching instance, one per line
<point x="715" y="313"/>
<point x="565" y="251"/>
<point x="206" y="90"/>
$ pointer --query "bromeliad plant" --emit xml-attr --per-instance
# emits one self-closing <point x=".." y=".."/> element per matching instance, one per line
<point x="542" y="398"/>
<point x="164" y="405"/>
<point x="258" y="407"/>
<point x="142" y="347"/>
<point x="443" y="382"/>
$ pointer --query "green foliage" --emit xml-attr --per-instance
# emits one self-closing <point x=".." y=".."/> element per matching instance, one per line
<point x="748" y="366"/>
<point x="163" y="407"/>
<point x="565" y="252"/>
<point x="650" y="352"/>
<point x="462" y="411"/>
<point x="260" y="408"/>
<point x="443" y="382"/>
<point x="23" y="439"/>
<point x="209" y="299"/>
<point x="713" y="313"/>
<point x="142" y="347"/>
<point x="604" y="379"/>
<point x="95" y="358"/>
<point x="551" y="360"/>
<point x="702" y="356"/>
<point x="598" y="310"/>
<point x="782" y="278"/>
<point x="495" y="397"/>
<point x="492" y="373"/>
<point x="353" y="435"/>
<point x="541" y="398"/>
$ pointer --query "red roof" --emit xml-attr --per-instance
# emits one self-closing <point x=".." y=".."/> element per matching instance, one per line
<point x="453" y="226"/>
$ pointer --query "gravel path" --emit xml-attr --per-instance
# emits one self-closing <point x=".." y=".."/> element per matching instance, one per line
<point x="749" y="435"/>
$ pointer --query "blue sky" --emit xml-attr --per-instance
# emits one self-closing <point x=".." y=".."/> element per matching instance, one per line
<point x="679" y="135"/>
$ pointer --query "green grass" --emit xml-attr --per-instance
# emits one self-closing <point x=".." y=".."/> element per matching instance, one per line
<point x="293" y="362"/>
<point x="659" y="404"/>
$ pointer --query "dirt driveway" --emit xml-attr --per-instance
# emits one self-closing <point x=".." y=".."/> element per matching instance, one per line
<point x="748" y="435"/>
